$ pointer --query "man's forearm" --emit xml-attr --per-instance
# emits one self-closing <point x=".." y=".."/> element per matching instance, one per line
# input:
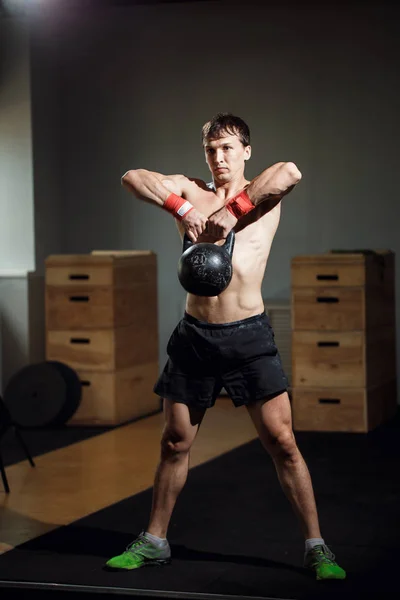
<point x="273" y="183"/>
<point x="159" y="190"/>
<point x="146" y="186"/>
<point x="268" y="188"/>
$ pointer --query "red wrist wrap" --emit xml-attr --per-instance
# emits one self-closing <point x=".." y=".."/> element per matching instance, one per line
<point x="240" y="205"/>
<point x="177" y="206"/>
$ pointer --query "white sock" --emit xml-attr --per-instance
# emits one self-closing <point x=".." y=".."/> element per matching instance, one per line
<point x="310" y="543"/>
<point x="157" y="541"/>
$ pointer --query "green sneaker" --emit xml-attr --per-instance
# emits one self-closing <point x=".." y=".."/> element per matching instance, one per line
<point x="140" y="553"/>
<point x="321" y="560"/>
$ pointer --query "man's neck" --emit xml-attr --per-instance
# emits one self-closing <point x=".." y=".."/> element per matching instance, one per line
<point x="230" y="188"/>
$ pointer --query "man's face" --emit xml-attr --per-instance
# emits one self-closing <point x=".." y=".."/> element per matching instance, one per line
<point x="225" y="157"/>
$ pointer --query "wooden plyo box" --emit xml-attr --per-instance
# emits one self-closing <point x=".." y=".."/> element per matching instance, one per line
<point x="105" y="349"/>
<point x="102" y="321"/>
<point x="113" y="397"/>
<point x="355" y="410"/>
<point x="331" y="269"/>
<point x="344" y="358"/>
<point x="100" y="291"/>
<point x="343" y="341"/>
<point x="339" y="309"/>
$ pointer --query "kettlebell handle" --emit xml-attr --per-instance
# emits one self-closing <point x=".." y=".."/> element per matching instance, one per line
<point x="228" y="245"/>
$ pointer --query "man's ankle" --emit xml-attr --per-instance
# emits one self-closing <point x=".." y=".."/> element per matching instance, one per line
<point x="158" y="533"/>
<point x="156" y="540"/>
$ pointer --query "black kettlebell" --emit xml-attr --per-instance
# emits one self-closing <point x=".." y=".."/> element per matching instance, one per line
<point x="205" y="269"/>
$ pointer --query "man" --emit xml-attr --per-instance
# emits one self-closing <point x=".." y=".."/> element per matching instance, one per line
<point x="226" y="340"/>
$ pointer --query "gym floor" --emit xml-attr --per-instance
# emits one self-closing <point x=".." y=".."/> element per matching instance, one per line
<point x="77" y="480"/>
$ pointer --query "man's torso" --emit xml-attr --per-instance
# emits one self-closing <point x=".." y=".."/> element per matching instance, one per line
<point x="254" y="234"/>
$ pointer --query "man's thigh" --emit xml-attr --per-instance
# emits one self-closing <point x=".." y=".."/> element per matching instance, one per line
<point x="182" y="422"/>
<point x="272" y="418"/>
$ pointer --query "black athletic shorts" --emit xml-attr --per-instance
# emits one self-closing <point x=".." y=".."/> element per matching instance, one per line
<point x="205" y="357"/>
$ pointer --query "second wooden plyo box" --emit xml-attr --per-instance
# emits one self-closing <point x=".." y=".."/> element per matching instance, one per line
<point x="343" y="341"/>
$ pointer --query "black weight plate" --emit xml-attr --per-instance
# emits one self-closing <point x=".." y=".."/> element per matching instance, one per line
<point x="74" y="391"/>
<point x="36" y="395"/>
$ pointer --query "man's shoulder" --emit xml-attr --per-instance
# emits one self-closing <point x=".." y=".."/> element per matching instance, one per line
<point x="192" y="185"/>
<point x="199" y="182"/>
<point x="186" y="180"/>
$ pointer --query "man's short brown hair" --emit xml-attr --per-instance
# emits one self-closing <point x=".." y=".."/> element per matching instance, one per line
<point x="226" y="123"/>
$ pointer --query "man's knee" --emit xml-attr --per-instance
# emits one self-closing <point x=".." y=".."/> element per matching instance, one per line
<point x="283" y="445"/>
<point x="174" y="445"/>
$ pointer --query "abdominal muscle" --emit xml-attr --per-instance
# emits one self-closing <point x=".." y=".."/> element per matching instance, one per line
<point x="232" y="305"/>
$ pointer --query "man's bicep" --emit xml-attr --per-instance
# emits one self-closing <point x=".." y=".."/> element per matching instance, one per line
<point x="174" y="183"/>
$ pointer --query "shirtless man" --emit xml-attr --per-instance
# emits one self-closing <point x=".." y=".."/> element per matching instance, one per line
<point x="226" y="340"/>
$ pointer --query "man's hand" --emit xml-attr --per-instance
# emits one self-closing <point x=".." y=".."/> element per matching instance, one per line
<point x="194" y="223"/>
<point x="220" y="223"/>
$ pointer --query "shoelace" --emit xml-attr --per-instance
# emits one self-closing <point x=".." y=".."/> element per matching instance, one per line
<point x="325" y="553"/>
<point x="139" y="542"/>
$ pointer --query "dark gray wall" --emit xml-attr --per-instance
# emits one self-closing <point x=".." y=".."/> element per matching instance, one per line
<point x="47" y="134"/>
<point x="318" y="86"/>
